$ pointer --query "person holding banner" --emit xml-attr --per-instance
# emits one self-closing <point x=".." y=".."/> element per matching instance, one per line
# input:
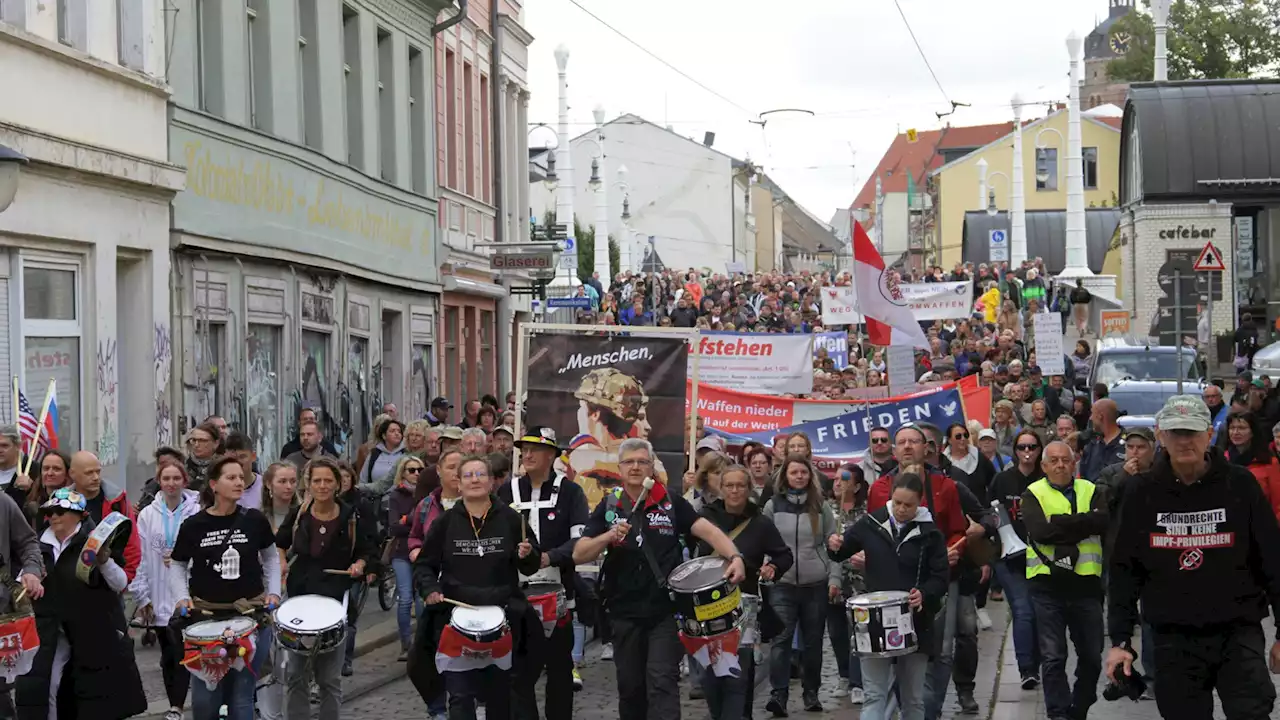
<point x="472" y="557"/>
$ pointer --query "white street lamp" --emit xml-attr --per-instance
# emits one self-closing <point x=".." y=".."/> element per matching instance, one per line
<point x="1077" y="264"/>
<point x="600" y="186"/>
<point x="1017" y="200"/>
<point x="11" y="162"/>
<point x="1160" y="19"/>
<point x="626" y="262"/>
<point x="1042" y="162"/>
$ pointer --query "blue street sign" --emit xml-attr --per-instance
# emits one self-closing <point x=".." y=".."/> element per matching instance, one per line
<point x="999" y="248"/>
<point x="581" y="303"/>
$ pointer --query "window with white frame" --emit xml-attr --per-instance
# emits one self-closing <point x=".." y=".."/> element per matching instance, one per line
<point x="51" y="338"/>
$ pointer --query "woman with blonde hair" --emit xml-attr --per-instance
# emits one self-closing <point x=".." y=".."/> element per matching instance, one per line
<point x="279" y="492"/>
<point x="399" y="521"/>
<point x="416" y="439"/>
<point x="706" y="480"/>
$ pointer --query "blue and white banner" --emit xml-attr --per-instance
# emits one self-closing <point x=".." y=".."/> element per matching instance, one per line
<point x="847" y="436"/>
<point x="836" y="344"/>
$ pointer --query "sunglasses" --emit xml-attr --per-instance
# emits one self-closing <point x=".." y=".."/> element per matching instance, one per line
<point x="960" y="436"/>
<point x="1028" y="446"/>
<point x="879" y="441"/>
<point x="413" y="470"/>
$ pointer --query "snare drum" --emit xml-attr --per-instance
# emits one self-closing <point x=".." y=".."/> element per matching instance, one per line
<point x="706" y="603"/>
<point x="551" y="604"/>
<point x="309" y="624"/>
<point x="882" y="624"/>
<point x="213" y="648"/>
<point x="475" y="638"/>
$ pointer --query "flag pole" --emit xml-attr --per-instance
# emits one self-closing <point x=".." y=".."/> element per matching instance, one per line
<point x="35" y="439"/>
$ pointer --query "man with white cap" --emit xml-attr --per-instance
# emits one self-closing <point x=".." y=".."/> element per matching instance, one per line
<point x="989" y="445"/>
<point x="1198" y="545"/>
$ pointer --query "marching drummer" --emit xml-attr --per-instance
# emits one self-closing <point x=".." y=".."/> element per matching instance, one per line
<point x="158" y="526"/>
<point x="223" y="563"/>
<point x="556" y="509"/>
<point x="904" y="551"/>
<point x="85" y="654"/>
<point x="330" y="545"/>
<point x="102" y="500"/>
<point x="647" y="647"/>
<point x="767" y="557"/>
<point x="474" y="555"/>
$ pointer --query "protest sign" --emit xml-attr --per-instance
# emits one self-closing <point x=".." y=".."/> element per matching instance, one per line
<point x="836" y="344"/>
<point x="775" y="364"/>
<point x="1048" y="328"/>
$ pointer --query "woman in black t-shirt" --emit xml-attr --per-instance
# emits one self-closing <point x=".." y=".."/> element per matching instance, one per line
<point x="222" y="555"/>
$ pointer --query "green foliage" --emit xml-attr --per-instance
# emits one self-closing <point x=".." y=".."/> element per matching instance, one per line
<point x="1206" y="38"/>
<point x="615" y="261"/>
<point x="586" y="239"/>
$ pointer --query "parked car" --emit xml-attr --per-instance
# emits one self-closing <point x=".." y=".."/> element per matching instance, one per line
<point x="1267" y="361"/>
<point x="1141" y="376"/>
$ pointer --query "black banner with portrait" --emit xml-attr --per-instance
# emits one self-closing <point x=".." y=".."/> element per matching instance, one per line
<point x="597" y="391"/>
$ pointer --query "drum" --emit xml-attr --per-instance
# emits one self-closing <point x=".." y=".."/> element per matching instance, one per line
<point x="485" y="624"/>
<point x="882" y="624"/>
<point x="213" y="648"/>
<point x="750" y="619"/>
<point x="19" y="642"/>
<point x="551" y="604"/>
<point x="111" y="535"/>
<point x="309" y="624"/>
<point x="706" y="603"/>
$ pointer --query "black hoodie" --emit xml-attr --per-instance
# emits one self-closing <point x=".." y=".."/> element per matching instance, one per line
<point x="1197" y="556"/>
<point x="353" y="541"/>
<point x="1007" y="487"/>
<point x="758" y="539"/>
<point x="476" y="566"/>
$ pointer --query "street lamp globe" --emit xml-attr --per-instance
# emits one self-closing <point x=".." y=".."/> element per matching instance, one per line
<point x="11" y="162"/>
<point x="992" y="210"/>
<point x="594" y="182"/>
<point x="1042" y="171"/>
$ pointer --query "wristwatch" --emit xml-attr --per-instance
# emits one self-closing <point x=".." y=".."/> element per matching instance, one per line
<point x="738" y="556"/>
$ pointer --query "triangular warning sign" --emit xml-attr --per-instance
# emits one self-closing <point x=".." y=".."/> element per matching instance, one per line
<point x="1210" y="260"/>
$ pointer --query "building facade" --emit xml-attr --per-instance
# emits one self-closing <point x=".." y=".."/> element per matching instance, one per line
<point x="1044" y="151"/>
<point x="482" y="93"/>
<point x="689" y="203"/>
<point x="1105" y="43"/>
<point x="306" y="243"/>
<point x="84" y="248"/>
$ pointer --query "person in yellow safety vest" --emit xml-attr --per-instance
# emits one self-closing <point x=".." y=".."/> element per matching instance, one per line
<point x="1066" y="518"/>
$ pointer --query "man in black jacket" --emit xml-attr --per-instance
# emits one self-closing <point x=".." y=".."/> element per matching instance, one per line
<point x="556" y="509"/>
<point x="1199" y="547"/>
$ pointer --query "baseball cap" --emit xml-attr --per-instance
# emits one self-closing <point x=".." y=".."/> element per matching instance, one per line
<point x="711" y="443"/>
<point x="506" y="429"/>
<point x="1142" y="432"/>
<point x="1184" y="412"/>
<point x="987" y="434"/>
<point x="441" y="402"/>
<point x="1259" y="384"/>
<point x="453" y="432"/>
<point x="1034" y="370"/>
<point x="1002" y="369"/>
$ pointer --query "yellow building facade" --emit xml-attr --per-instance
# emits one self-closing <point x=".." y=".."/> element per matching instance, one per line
<point x="957" y="182"/>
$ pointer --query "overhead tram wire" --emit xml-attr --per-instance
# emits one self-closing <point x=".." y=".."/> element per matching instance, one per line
<point x="651" y="54"/>
<point x="925" y="58"/>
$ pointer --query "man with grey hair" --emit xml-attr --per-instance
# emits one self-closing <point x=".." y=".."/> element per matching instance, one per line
<point x="647" y="648"/>
<point x="10" y="455"/>
<point x="474" y="441"/>
<point x="1199" y="548"/>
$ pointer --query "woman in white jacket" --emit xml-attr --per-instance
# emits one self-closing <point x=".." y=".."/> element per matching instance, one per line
<point x="158" y="525"/>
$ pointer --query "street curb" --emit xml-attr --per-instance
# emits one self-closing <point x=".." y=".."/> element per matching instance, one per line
<point x="368" y="640"/>
<point x="995" y="690"/>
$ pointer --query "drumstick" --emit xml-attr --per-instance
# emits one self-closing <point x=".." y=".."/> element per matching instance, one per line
<point x="459" y="603"/>
<point x="20" y="596"/>
<point x="337" y="572"/>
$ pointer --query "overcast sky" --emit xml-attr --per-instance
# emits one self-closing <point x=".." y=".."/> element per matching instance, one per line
<point x="850" y="61"/>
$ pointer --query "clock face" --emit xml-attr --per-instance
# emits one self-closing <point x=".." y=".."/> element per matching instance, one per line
<point x="1120" y="42"/>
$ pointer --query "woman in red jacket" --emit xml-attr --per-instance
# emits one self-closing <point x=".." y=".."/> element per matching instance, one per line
<point x="1246" y="443"/>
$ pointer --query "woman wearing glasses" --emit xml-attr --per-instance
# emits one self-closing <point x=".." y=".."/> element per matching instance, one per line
<point x="965" y="463"/>
<point x="399" y="522"/>
<point x="1007" y="488"/>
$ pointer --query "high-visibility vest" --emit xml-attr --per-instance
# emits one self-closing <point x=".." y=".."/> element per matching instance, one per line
<point x="1053" y="502"/>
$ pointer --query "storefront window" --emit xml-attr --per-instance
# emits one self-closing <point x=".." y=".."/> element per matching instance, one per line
<point x="421" y="381"/>
<point x="351" y="405"/>
<point x="56" y="359"/>
<point x="262" y="392"/>
<point x="452" y="363"/>
<point x="208" y="355"/>
<point x="485" y="363"/>
<point x="315" y="359"/>
<point x="49" y="294"/>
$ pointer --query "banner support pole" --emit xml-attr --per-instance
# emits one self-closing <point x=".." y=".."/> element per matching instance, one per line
<point x="522" y="374"/>
<point x="693" y="399"/>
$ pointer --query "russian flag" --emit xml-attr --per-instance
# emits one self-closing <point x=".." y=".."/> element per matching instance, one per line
<point x="50" y="409"/>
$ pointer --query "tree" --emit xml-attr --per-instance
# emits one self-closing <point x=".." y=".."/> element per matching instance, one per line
<point x="586" y="240"/>
<point x="1207" y="39"/>
<point x="615" y="261"/>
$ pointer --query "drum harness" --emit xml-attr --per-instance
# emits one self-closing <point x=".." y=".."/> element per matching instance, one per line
<point x="309" y="665"/>
<point x="534" y="509"/>
<point x="612" y="504"/>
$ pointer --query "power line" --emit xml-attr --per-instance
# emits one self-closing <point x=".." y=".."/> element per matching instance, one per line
<point x="650" y="53"/>
<point x="911" y="32"/>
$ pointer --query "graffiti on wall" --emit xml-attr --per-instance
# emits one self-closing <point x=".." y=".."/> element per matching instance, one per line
<point x="163" y="352"/>
<point x="420" y="381"/>
<point x="108" y="391"/>
<point x="261" y="392"/>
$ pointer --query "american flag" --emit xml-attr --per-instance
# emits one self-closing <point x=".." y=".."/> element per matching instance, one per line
<point x="27" y="422"/>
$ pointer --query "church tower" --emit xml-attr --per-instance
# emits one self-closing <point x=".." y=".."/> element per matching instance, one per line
<point x="1104" y="44"/>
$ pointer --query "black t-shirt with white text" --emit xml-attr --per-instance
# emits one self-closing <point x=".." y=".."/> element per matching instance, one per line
<point x="632" y="591"/>
<point x="223" y="552"/>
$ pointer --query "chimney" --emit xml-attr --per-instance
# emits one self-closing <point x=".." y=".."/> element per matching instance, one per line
<point x="708" y="138"/>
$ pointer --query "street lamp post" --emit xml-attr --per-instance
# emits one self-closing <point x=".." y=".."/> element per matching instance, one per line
<point x="1017" y="200"/>
<point x="1160" y="19"/>
<point x="1077" y="240"/>
<point x="564" y="154"/>
<point x="601" y="189"/>
<point x="11" y="162"/>
<point x="625" y="260"/>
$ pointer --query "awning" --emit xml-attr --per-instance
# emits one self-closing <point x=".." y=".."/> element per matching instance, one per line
<point x="1046" y="235"/>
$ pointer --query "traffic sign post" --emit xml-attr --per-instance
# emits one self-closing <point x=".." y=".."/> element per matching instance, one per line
<point x="1210" y="261"/>
<point x="999" y="247"/>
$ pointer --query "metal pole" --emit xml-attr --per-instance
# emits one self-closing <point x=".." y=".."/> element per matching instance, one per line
<point x="1210" y="351"/>
<point x="522" y="375"/>
<point x="693" y="402"/>
<point x="1177" y="321"/>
